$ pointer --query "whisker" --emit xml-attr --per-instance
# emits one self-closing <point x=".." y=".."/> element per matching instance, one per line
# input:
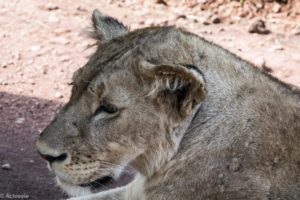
<point x="125" y="167"/>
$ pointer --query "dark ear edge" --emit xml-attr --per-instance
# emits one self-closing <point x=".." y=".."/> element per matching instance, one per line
<point x="181" y="86"/>
<point x="105" y="27"/>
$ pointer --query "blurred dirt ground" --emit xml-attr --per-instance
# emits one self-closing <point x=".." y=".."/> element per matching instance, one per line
<point x="43" y="43"/>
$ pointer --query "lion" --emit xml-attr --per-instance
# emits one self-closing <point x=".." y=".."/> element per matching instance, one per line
<point x="192" y="120"/>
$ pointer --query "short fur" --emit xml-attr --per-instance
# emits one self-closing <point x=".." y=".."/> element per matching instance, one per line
<point x="194" y="120"/>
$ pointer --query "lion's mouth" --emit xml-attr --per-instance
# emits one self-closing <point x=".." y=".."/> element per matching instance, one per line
<point x="92" y="186"/>
<point x="109" y="182"/>
<point x="105" y="181"/>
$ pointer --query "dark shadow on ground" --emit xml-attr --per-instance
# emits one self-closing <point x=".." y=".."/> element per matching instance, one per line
<point x="21" y="118"/>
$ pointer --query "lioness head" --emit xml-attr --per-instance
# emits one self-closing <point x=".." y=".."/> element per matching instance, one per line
<point x="130" y="106"/>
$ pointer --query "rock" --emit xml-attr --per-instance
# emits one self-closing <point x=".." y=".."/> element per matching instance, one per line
<point x="296" y="31"/>
<point x="58" y="95"/>
<point x="60" y="40"/>
<point x="226" y="11"/>
<point x="20" y="120"/>
<point x="229" y="39"/>
<point x="141" y="22"/>
<point x="53" y="18"/>
<point x="6" y="166"/>
<point x="163" y="23"/>
<point x="31" y="161"/>
<point x="181" y="16"/>
<point x="45" y="71"/>
<point x="276" y="48"/>
<point x="205" y="20"/>
<point x="82" y="9"/>
<point x="195" y="20"/>
<point x="276" y="8"/>
<point x="16" y="55"/>
<point x="216" y="20"/>
<point x="4" y="65"/>
<point x="60" y="31"/>
<point x="259" y="6"/>
<point x="149" y="22"/>
<point x="221" y="30"/>
<point x="3" y="35"/>
<point x="258" y="27"/>
<point x="161" y="2"/>
<point x="244" y="13"/>
<point x="35" y="48"/>
<point x="209" y="32"/>
<point x="31" y="81"/>
<point x="51" y="7"/>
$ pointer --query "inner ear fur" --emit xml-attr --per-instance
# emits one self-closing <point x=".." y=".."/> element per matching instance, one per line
<point x="180" y="86"/>
<point x="106" y="27"/>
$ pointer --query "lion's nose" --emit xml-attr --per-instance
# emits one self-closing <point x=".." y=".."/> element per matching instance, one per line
<point x="50" y="154"/>
<point x="52" y="159"/>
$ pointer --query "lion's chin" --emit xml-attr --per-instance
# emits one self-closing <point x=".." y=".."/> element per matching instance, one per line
<point x="73" y="190"/>
<point x="101" y="184"/>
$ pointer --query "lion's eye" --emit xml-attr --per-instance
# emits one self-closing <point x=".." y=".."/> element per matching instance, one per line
<point x="108" y="108"/>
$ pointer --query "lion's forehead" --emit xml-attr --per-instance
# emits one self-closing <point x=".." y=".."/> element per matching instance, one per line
<point x="143" y="44"/>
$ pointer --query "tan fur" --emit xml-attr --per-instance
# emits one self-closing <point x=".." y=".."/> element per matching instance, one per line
<point x="193" y="120"/>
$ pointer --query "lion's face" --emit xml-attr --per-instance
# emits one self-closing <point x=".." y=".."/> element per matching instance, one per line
<point x="122" y="113"/>
<point x="108" y="125"/>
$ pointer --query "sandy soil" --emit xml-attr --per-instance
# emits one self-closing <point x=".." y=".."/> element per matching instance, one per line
<point x="43" y="43"/>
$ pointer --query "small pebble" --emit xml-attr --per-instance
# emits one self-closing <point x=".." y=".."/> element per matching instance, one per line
<point x="6" y="166"/>
<point x="59" y="40"/>
<point x="181" y="17"/>
<point x="216" y="20"/>
<point x="64" y="59"/>
<point x="58" y="95"/>
<point x="259" y="27"/>
<point x="276" y="48"/>
<point x="149" y="22"/>
<point x="20" y="120"/>
<point x="296" y="31"/>
<point x="53" y="19"/>
<point x="82" y="9"/>
<point x="35" y="48"/>
<point x="51" y="7"/>
<point x="161" y="2"/>
<point x="276" y="8"/>
<point x="4" y="65"/>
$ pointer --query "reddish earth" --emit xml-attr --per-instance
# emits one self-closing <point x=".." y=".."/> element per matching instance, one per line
<point x="42" y="44"/>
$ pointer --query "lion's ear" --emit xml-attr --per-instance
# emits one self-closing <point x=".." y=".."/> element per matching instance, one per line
<point x="105" y="27"/>
<point x="182" y="86"/>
